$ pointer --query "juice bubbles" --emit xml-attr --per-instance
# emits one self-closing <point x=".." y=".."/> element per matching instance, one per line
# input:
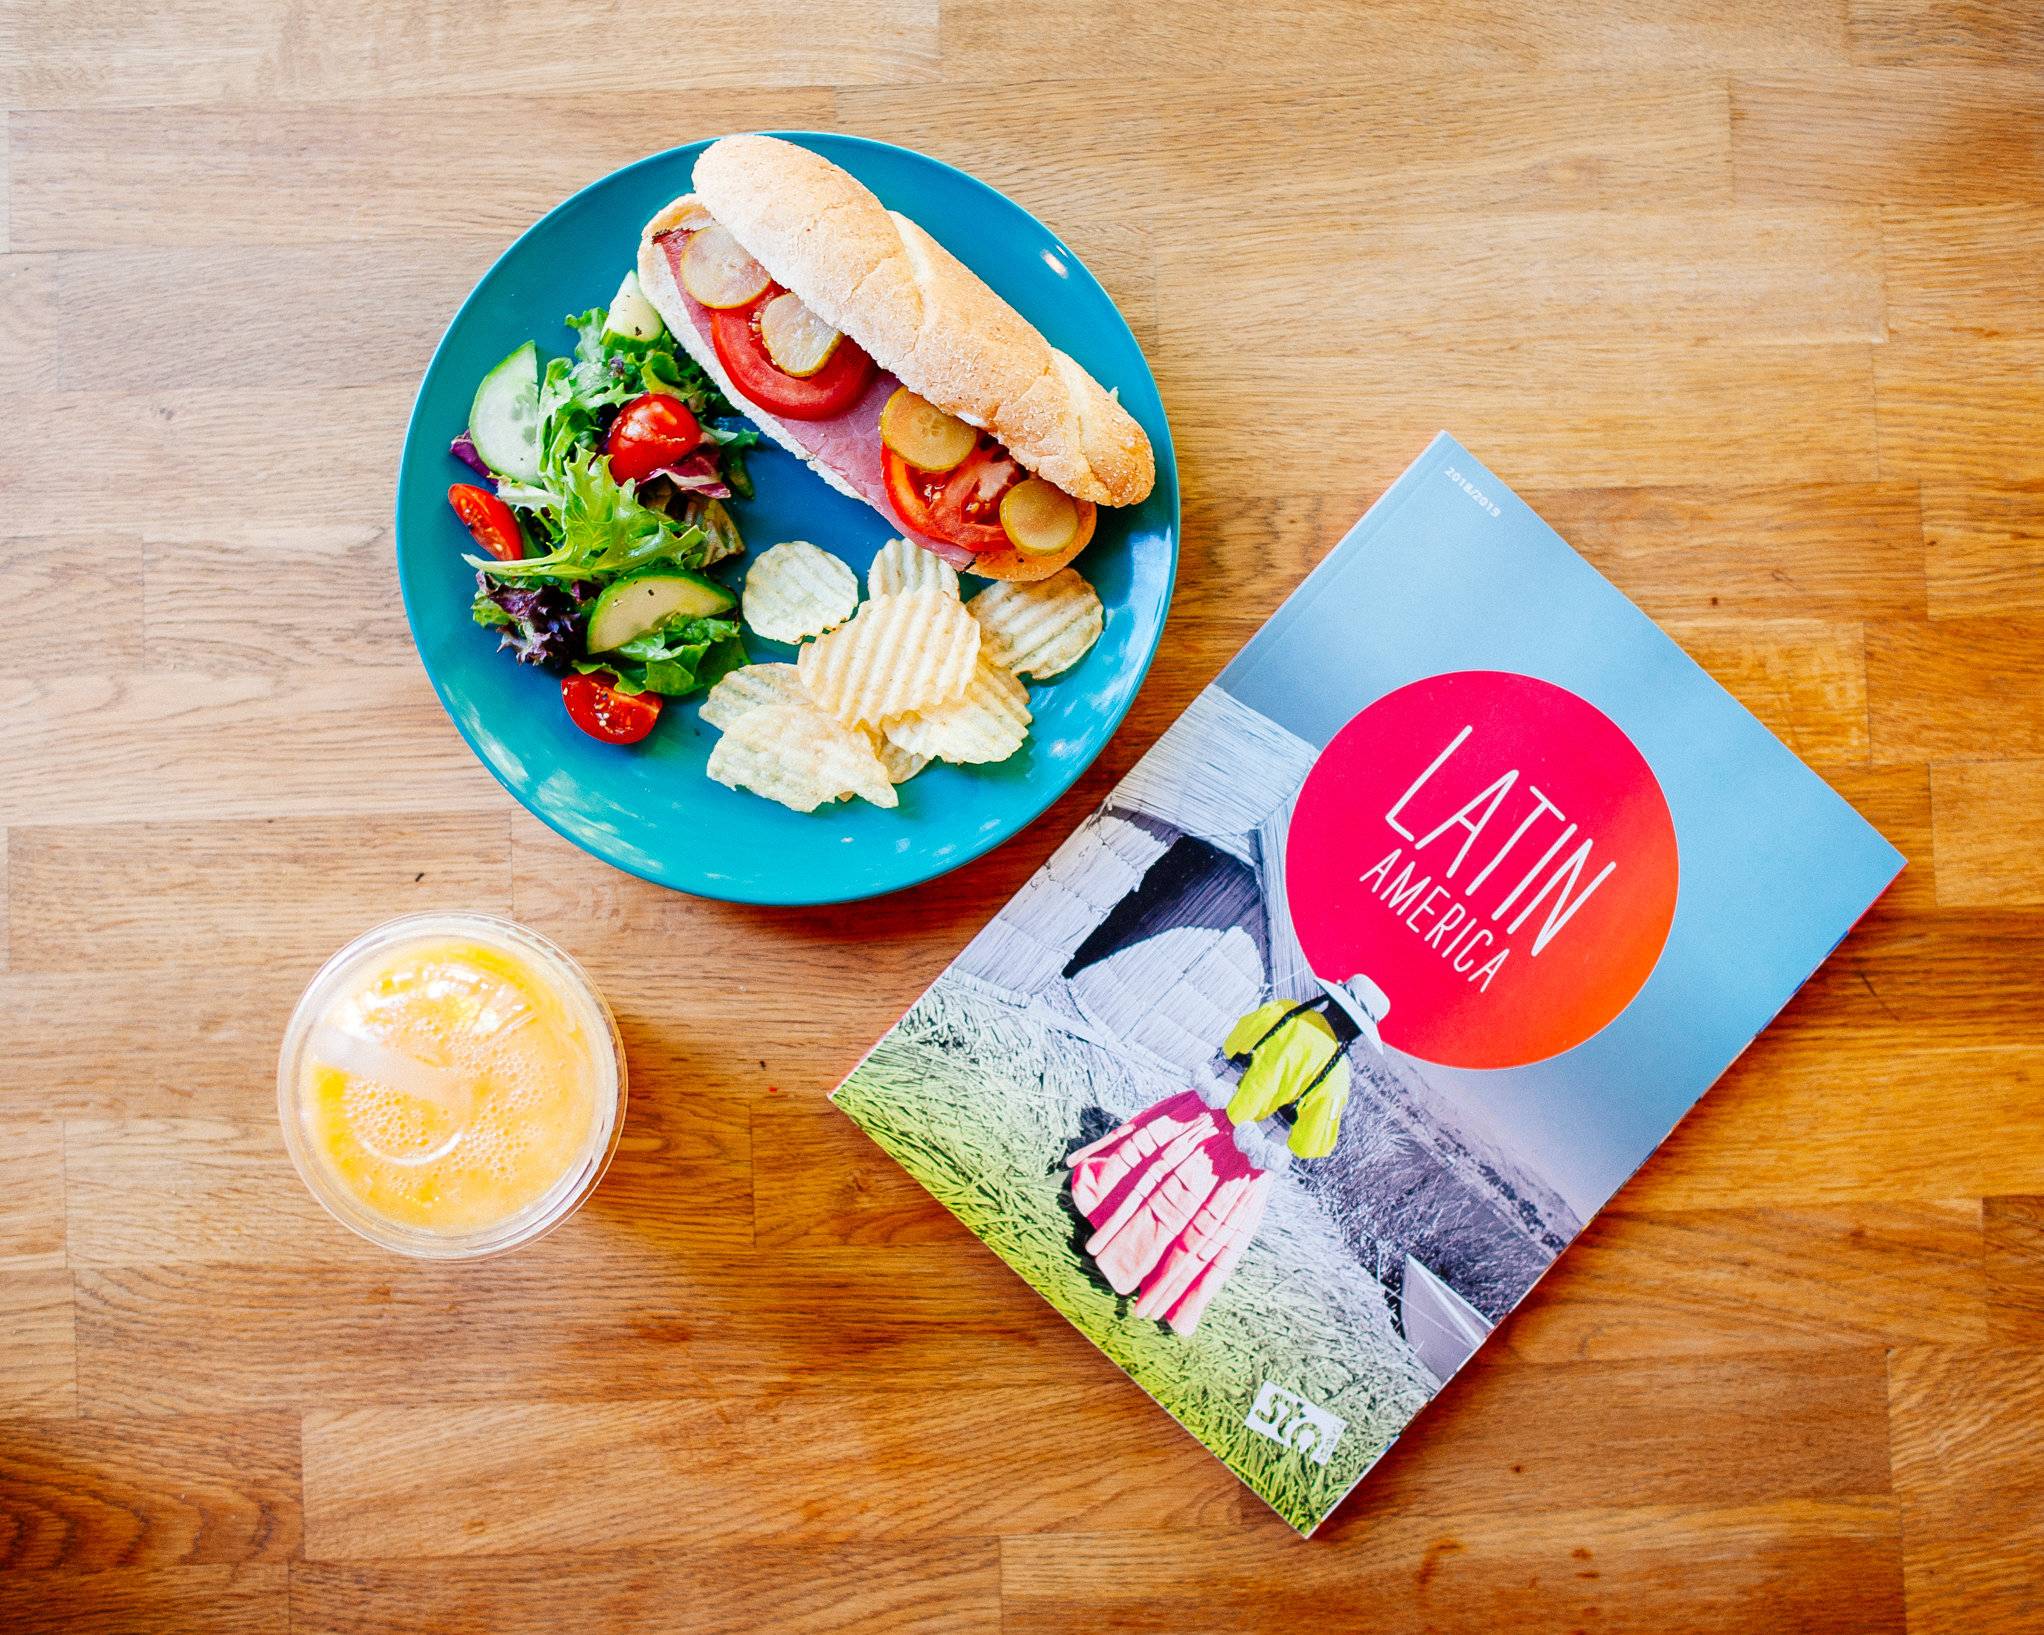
<point x="451" y="1085"/>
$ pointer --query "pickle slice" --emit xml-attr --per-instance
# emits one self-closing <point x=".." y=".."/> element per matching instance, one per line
<point x="923" y="434"/>
<point x="718" y="271"/>
<point x="1039" y="517"/>
<point x="799" y="342"/>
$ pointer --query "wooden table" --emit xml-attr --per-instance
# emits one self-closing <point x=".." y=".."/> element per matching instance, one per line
<point x="1745" y="297"/>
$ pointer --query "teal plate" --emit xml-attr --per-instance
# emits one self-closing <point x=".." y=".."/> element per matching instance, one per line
<point x="651" y="809"/>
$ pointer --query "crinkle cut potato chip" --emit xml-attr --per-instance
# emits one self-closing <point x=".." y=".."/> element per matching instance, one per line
<point x="750" y="688"/>
<point x="988" y="723"/>
<point x="902" y="565"/>
<point x="1040" y="628"/>
<point x="794" y="591"/>
<point x="801" y="757"/>
<point x="902" y="764"/>
<point x="897" y="654"/>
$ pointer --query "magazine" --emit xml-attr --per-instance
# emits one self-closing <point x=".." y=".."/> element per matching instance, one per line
<point x="1303" y="1058"/>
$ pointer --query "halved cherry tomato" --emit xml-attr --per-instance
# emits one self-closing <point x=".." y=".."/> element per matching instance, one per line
<point x="961" y="506"/>
<point x="599" y="709"/>
<point x="830" y="391"/>
<point x="650" y="432"/>
<point x="494" y="524"/>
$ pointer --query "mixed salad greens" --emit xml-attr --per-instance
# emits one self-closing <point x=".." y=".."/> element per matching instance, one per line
<point x="601" y="506"/>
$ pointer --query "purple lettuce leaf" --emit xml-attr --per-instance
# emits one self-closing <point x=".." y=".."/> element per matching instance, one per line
<point x="697" y="473"/>
<point x="542" y="624"/>
<point x="463" y="449"/>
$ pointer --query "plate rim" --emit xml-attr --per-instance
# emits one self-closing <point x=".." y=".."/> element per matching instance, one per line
<point x="1167" y="474"/>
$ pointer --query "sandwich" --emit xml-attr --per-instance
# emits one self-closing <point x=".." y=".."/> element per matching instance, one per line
<point x="861" y="345"/>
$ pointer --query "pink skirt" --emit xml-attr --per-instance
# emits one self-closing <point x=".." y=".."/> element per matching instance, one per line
<point x="1173" y="1203"/>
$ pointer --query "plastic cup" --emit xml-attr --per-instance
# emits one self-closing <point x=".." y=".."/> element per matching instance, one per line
<point x="310" y="1038"/>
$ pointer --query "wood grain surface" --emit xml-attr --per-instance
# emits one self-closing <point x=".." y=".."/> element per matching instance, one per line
<point x="1744" y="295"/>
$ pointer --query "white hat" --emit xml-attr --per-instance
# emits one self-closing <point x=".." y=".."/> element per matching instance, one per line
<point x="1365" y="1002"/>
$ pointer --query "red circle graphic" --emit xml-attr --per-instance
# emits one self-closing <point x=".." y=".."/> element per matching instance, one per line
<point x="1492" y="853"/>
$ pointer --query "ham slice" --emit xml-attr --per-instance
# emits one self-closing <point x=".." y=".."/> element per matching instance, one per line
<point x="848" y="443"/>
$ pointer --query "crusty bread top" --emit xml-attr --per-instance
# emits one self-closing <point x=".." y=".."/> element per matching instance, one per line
<point x="922" y="314"/>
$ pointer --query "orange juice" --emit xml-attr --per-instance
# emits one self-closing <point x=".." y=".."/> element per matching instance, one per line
<point x="451" y="1085"/>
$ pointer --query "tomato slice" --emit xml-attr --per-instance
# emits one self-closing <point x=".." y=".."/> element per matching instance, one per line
<point x="599" y="709"/>
<point x="650" y="432"/>
<point x="961" y="506"/>
<point x="830" y="391"/>
<point x="493" y="523"/>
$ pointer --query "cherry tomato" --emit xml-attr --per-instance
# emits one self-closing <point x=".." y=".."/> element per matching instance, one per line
<point x="650" y="432"/>
<point x="830" y="391"/>
<point x="599" y="709"/>
<point x="494" y="524"/>
<point x="961" y="506"/>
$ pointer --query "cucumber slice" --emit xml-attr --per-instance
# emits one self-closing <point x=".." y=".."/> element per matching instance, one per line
<point x="631" y="315"/>
<point x="632" y="608"/>
<point x="503" y="422"/>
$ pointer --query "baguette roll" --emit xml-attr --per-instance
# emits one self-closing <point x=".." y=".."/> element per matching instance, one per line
<point x="854" y="439"/>
<point x="923" y="315"/>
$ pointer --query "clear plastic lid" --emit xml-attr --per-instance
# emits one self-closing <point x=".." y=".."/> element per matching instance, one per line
<point x="358" y="1098"/>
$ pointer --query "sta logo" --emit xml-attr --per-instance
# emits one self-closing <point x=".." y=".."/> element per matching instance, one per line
<point x="1290" y="1420"/>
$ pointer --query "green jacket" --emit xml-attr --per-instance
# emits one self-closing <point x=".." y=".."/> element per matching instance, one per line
<point x="1293" y="1057"/>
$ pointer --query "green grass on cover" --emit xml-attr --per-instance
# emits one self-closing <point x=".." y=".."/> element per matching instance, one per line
<point x="985" y="1132"/>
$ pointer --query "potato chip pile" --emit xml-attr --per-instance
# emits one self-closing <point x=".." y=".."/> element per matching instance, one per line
<point x="882" y="688"/>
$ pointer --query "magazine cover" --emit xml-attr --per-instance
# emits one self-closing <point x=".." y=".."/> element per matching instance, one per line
<point x="1302" y="1059"/>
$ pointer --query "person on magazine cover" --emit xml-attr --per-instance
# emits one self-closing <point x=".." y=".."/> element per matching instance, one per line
<point x="1175" y="1194"/>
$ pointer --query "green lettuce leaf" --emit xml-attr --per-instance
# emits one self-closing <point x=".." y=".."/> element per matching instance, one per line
<point x="603" y="531"/>
<point x="720" y="529"/>
<point x="676" y="660"/>
<point x="663" y="369"/>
